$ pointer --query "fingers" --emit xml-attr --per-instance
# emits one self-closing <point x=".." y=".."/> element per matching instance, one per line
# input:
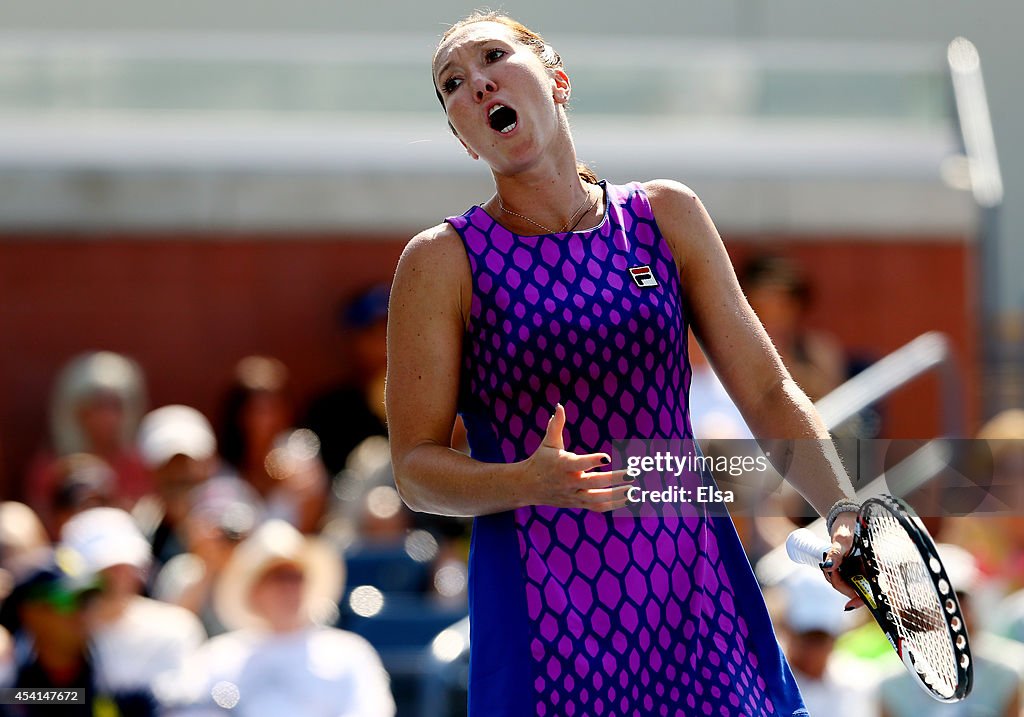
<point x="842" y="587"/>
<point x="854" y="604"/>
<point x="830" y="567"/>
<point x="553" y="435"/>
<point x="834" y="556"/>
<point x="831" y="573"/>
<point x="604" y="499"/>
<point x="842" y="539"/>
<point x="581" y="485"/>
<point x="583" y="462"/>
<point x="605" y="479"/>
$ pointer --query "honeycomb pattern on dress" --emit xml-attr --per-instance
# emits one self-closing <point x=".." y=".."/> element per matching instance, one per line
<point x="630" y="615"/>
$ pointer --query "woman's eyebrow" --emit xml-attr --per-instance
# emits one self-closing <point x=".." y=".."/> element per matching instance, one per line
<point x="472" y="43"/>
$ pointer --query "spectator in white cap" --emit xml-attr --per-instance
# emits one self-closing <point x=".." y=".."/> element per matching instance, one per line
<point x="280" y="659"/>
<point x="813" y="619"/>
<point x="178" y="445"/>
<point x="134" y="639"/>
<point x="998" y="662"/>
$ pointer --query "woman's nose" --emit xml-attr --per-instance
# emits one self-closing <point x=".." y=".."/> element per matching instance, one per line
<point x="484" y="86"/>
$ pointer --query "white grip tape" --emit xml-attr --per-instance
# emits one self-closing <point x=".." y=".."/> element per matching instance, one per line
<point x="806" y="548"/>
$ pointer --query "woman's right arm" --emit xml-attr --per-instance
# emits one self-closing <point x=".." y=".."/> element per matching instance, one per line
<point x="427" y="316"/>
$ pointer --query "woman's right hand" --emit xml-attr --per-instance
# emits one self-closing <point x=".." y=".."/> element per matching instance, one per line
<point x="562" y="479"/>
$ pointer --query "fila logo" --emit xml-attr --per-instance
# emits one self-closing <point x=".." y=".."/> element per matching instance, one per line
<point x="643" y="276"/>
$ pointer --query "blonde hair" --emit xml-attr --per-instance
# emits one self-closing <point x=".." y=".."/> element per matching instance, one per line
<point x="524" y="36"/>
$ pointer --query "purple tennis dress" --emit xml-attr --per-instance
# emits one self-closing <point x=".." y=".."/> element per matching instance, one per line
<point x="579" y="613"/>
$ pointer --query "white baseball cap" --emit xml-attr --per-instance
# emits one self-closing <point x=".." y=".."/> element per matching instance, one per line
<point x="175" y="430"/>
<point x="104" y="537"/>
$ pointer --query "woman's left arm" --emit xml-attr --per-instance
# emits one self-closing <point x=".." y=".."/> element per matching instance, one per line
<point x="744" y="357"/>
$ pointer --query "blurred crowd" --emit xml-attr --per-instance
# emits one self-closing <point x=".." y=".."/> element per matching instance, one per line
<point x="260" y="561"/>
<point x="841" y="660"/>
<point x="845" y="666"/>
<point x="175" y="563"/>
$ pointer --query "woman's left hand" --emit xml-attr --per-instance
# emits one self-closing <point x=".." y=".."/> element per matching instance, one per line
<point x="842" y="541"/>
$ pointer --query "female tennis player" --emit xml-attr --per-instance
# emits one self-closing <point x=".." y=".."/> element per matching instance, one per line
<point x="553" y="318"/>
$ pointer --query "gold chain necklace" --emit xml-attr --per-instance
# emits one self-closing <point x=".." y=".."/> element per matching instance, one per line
<point x="586" y="201"/>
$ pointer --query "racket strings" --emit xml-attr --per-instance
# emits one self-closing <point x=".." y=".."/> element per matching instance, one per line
<point x="916" y="607"/>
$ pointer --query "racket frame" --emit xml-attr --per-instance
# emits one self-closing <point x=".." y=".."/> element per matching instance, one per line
<point x="859" y="569"/>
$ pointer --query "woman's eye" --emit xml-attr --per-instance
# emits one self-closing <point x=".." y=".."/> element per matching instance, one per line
<point x="450" y="85"/>
<point x="493" y="55"/>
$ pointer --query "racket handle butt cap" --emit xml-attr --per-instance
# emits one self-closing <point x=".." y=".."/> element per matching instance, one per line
<point x="806" y="548"/>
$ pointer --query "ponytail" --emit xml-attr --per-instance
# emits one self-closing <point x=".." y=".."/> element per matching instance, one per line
<point x="586" y="173"/>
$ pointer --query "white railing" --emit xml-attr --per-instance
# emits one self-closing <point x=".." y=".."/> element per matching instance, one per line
<point x="370" y="73"/>
<point x="928" y="352"/>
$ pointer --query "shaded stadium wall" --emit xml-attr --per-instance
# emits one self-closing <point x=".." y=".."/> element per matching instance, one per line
<point x="187" y="310"/>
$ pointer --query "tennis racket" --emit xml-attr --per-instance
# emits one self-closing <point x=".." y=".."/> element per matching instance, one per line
<point x="894" y="567"/>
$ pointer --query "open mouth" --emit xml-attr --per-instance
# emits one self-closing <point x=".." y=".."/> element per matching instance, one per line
<point x="502" y="119"/>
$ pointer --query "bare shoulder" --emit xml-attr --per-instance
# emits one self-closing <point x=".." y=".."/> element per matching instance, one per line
<point x="681" y="216"/>
<point x="667" y="190"/>
<point x="434" y="270"/>
<point x="438" y="247"/>
<point x="673" y="200"/>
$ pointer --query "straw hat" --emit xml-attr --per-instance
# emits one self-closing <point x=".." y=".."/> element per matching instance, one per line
<point x="274" y="543"/>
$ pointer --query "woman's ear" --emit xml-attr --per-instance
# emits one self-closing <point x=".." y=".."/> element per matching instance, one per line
<point x="562" y="88"/>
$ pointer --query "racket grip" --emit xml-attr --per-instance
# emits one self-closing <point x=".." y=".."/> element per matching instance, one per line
<point x="806" y="548"/>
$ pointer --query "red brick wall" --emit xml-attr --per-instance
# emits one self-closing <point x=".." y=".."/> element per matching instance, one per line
<point x="187" y="310"/>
